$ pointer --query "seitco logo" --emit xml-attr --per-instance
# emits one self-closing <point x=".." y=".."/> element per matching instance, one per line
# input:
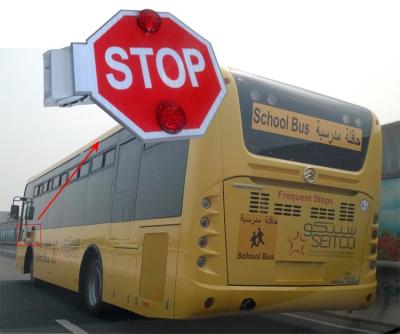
<point x="310" y="175"/>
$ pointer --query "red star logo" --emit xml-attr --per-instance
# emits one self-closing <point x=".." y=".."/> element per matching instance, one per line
<point x="297" y="244"/>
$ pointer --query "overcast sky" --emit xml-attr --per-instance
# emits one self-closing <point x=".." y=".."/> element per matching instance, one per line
<point x="346" y="49"/>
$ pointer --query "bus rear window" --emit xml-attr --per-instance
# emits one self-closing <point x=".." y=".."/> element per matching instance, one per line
<point x="289" y="123"/>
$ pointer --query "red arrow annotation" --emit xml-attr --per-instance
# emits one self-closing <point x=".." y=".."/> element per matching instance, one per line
<point x="95" y="147"/>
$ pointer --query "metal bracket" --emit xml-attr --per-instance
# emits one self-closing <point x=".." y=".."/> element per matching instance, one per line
<point x="59" y="80"/>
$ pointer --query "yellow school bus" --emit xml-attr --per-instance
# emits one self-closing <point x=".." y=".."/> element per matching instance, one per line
<point x="274" y="209"/>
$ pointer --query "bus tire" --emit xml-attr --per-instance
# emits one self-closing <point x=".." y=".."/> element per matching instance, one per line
<point x="93" y="288"/>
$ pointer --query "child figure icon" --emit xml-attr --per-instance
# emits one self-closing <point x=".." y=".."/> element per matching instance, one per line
<point x="257" y="238"/>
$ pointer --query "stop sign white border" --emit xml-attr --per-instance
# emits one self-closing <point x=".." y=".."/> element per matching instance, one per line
<point x="85" y="79"/>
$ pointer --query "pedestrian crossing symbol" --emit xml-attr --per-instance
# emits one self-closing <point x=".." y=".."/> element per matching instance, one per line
<point x="257" y="237"/>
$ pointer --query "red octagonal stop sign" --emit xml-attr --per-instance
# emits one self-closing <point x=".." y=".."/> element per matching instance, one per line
<point x="130" y="73"/>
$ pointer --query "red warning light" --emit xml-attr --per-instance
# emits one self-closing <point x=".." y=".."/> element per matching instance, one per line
<point x="148" y="20"/>
<point x="170" y="117"/>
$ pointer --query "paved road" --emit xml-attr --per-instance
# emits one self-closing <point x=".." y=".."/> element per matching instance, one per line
<point x="48" y="309"/>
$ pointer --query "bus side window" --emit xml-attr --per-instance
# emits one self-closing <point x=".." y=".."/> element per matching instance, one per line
<point x="109" y="157"/>
<point x="84" y="170"/>
<point x="125" y="181"/>
<point x="161" y="180"/>
<point x="97" y="162"/>
<point x="63" y="178"/>
<point x="40" y="189"/>
<point x="56" y="181"/>
<point x="71" y="171"/>
<point x="45" y="187"/>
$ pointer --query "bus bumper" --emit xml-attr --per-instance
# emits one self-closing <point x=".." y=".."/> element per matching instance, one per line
<point x="231" y="299"/>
